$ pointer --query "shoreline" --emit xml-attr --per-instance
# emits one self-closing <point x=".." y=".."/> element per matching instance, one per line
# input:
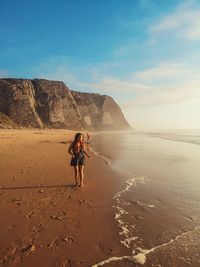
<point x="159" y="210"/>
<point x="45" y="221"/>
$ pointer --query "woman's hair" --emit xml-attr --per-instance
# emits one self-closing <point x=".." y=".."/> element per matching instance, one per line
<point x="77" y="137"/>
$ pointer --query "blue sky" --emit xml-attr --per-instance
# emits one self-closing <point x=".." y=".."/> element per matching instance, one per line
<point x="144" y="53"/>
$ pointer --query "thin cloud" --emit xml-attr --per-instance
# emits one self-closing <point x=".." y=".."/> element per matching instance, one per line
<point x="139" y="88"/>
<point x="184" y="22"/>
<point x="114" y="85"/>
<point x="164" y="70"/>
<point x="141" y="93"/>
<point x="75" y="76"/>
<point x="178" y="94"/>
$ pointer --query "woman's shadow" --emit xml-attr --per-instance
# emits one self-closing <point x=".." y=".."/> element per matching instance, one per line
<point x="69" y="186"/>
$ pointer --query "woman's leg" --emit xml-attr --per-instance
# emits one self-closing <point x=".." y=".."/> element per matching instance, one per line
<point x="76" y="174"/>
<point x="81" y="175"/>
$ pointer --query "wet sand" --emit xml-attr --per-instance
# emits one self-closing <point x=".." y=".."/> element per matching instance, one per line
<point x="158" y="209"/>
<point x="45" y="220"/>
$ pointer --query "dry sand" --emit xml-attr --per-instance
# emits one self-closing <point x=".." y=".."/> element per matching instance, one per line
<point x="45" y="221"/>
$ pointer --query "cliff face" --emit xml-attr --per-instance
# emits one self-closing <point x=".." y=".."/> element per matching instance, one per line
<point x="100" y="112"/>
<point x="41" y="103"/>
<point x="55" y="105"/>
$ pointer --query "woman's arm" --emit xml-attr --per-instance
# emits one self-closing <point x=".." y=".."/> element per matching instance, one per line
<point x="70" y="149"/>
<point x="86" y="153"/>
<point x="83" y="147"/>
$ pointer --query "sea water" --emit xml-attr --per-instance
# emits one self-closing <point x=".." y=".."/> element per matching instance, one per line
<point x="158" y="210"/>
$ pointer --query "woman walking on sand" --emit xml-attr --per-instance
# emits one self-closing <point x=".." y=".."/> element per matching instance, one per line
<point x="77" y="151"/>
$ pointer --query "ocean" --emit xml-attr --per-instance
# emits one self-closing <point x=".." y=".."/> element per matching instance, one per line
<point x="158" y="210"/>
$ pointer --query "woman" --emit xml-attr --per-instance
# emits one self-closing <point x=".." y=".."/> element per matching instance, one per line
<point x="77" y="150"/>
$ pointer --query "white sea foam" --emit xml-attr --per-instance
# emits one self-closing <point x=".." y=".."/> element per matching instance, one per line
<point x="126" y="229"/>
<point x="142" y="204"/>
<point x="107" y="160"/>
<point x="140" y="256"/>
<point x="151" y="206"/>
<point x="178" y="135"/>
<point x="137" y="259"/>
<point x="110" y="260"/>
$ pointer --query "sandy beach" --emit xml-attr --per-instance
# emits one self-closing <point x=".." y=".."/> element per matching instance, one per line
<point x="45" y="221"/>
<point x="139" y="206"/>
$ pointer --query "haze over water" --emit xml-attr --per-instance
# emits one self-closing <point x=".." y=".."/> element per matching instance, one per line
<point x="161" y="204"/>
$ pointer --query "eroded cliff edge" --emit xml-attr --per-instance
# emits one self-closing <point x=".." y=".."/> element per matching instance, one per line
<point x="40" y="103"/>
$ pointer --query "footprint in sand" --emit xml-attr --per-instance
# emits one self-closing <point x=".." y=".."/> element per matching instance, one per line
<point x="83" y="202"/>
<point x="16" y="253"/>
<point x="28" y="215"/>
<point x="19" y="202"/>
<point x="41" y="191"/>
<point x="68" y="239"/>
<point x="15" y="200"/>
<point x="27" y="250"/>
<point x="37" y="228"/>
<point x="190" y="219"/>
<point x="71" y="263"/>
<point x="61" y="216"/>
<point x="55" y="243"/>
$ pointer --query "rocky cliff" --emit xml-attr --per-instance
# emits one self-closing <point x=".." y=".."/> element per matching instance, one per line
<point x="40" y="103"/>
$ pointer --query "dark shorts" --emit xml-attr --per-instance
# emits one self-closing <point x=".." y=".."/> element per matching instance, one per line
<point x="78" y="159"/>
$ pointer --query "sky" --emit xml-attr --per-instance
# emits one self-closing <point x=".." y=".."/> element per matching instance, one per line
<point x="143" y="53"/>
